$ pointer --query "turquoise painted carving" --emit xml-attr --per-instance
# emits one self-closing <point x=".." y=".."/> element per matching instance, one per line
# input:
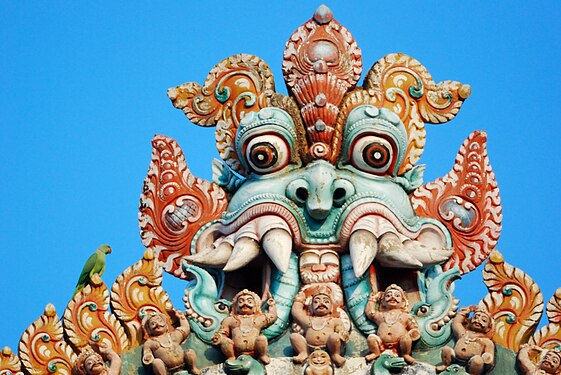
<point x="387" y="364"/>
<point x="244" y="365"/>
<point x="320" y="190"/>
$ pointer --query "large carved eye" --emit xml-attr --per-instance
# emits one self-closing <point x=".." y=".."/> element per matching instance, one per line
<point x="267" y="154"/>
<point x="372" y="154"/>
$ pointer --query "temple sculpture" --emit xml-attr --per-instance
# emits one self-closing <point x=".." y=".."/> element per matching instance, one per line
<point x="318" y="248"/>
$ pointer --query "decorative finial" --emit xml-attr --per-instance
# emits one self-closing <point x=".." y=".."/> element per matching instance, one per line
<point x="323" y="14"/>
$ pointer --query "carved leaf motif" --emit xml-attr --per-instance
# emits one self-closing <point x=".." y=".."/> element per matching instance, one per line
<point x="467" y="202"/>
<point x="42" y="349"/>
<point x="235" y="86"/>
<point x="87" y="319"/>
<point x="401" y="84"/>
<point x="514" y="300"/>
<point x="136" y="291"/>
<point x="174" y="205"/>
<point x="9" y="363"/>
<point x="549" y="336"/>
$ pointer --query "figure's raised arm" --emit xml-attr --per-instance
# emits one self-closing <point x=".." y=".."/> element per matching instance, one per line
<point x="299" y="312"/>
<point x="458" y="324"/>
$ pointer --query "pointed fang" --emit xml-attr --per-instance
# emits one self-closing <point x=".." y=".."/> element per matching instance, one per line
<point x="245" y="250"/>
<point x="277" y="243"/>
<point x="363" y="247"/>
<point x="212" y="257"/>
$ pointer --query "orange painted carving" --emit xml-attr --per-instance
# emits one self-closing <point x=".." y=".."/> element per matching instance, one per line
<point x="42" y="349"/>
<point x="549" y="336"/>
<point x="467" y="202"/>
<point x="174" y="205"/>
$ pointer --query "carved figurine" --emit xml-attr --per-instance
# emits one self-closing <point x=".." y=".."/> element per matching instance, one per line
<point x="240" y="333"/>
<point x="91" y="362"/>
<point x="319" y="364"/>
<point x="474" y="348"/>
<point x="162" y="350"/>
<point x="550" y="362"/>
<point x="323" y="329"/>
<point x="396" y="327"/>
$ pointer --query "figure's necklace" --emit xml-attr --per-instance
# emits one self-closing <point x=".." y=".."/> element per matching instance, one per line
<point x="169" y="344"/>
<point x="391" y="317"/>
<point x="246" y="324"/>
<point x="315" y="325"/>
<point x="469" y="339"/>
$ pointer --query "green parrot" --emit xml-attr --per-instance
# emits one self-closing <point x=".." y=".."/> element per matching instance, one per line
<point x="94" y="264"/>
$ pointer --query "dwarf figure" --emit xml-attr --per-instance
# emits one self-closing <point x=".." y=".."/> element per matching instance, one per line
<point x="319" y="364"/>
<point x="162" y="350"/>
<point x="396" y="327"/>
<point x="474" y="348"/>
<point x="90" y="362"/>
<point x="550" y="362"/>
<point x="323" y="329"/>
<point x="240" y="333"/>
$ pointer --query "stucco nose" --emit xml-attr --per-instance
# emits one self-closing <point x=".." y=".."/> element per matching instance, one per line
<point x="319" y="190"/>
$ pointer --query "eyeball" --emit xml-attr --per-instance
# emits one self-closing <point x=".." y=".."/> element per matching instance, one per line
<point x="372" y="154"/>
<point x="267" y="154"/>
<point x="423" y="310"/>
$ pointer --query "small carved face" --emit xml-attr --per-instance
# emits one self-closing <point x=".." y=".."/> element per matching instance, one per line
<point x="550" y="363"/>
<point x="245" y="304"/>
<point x="321" y="305"/>
<point x="157" y="325"/>
<point x="393" y="299"/>
<point x="480" y="322"/>
<point x="94" y="365"/>
<point x="320" y="358"/>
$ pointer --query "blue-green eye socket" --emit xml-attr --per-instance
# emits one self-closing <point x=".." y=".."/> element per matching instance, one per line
<point x="372" y="154"/>
<point x="267" y="154"/>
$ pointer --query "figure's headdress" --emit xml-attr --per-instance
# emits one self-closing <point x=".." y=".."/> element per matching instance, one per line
<point x="149" y="315"/>
<point x="405" y="301"/>
<point x="78" y="368"/>
<point x="256" y="298"/>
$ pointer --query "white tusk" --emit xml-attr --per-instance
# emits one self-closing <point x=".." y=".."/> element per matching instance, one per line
<point x="212" y="257"/>
<point x="245" y="250"/>
<point x="426" y="255"/>
<point x="391" y="253"/>
<point x="363" y="247"/>
<point x="277" y="243"/>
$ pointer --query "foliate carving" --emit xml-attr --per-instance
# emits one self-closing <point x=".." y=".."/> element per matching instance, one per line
<point x="235" y="86"/>
<point x="136" y="292"/>
<point x="42" y="349"/>
<point x="321" y="63"/>
<point x="401" y="84"/>
<point x="174" y="205"/>
<point x="549" y="336"/>
<point x="514" y="301"/>
<point x="9" y="363"/>
<point x="467" y="201"/>
<point x="87" y="319"/>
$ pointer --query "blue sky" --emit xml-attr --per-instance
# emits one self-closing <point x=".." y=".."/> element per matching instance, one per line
<point x="83" y="91"/>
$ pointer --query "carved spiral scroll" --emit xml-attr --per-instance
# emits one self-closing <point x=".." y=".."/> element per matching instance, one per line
<point x="549" y="336"/>
<point x="401" y="84"/>
<point x="235" y="86"/>
<point x="136" y="291"/>
<point x="9" y="362"/>
<point x="87" y="319"/>
<point x="467" y="201"/>
<point x="514" y="300"/>
<point x="42" y="349"/>
<point x="174" y="205"/>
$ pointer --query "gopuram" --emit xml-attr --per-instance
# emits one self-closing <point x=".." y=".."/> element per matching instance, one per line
<point x="318" y="249"/>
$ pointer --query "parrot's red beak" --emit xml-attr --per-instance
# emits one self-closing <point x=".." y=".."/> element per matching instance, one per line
<point x="109" y="252"/>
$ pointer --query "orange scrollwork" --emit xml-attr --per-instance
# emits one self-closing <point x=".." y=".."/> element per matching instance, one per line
<point x="514" y="300"/>
<point x="237" y="85"/>
<point x="467" y="201"/>
<point x="136" y="291"/>
<point x="9" y="363"/>
<point x="174" y="205"/>
<point x="42" y="349"/>
<point x="87" y="319"/>
<point x="549" y="336"/>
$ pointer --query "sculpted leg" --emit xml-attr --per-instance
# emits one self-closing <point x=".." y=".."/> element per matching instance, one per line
<point x="475" y="365"/>
<point x="300" y="347"/>
<point x="190" y="359"/>
<point x="447" y="355"/>
<point x="227" y="347"/>
<point x="261" y="345"/>
<point x="334" y="349"/>
<point x="374" y="346"/>
<point x="159" y="367"/>
<point x="405" y="345"/>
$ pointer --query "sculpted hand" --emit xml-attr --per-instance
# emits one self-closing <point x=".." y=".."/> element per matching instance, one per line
<point x="487" y="358"/>
<point x="216" y="338"/>
<point x="270" y="300"/>
<point x="148" y="358"/>
<point x="179" y="314"/>
<point x="465" y="311"/>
